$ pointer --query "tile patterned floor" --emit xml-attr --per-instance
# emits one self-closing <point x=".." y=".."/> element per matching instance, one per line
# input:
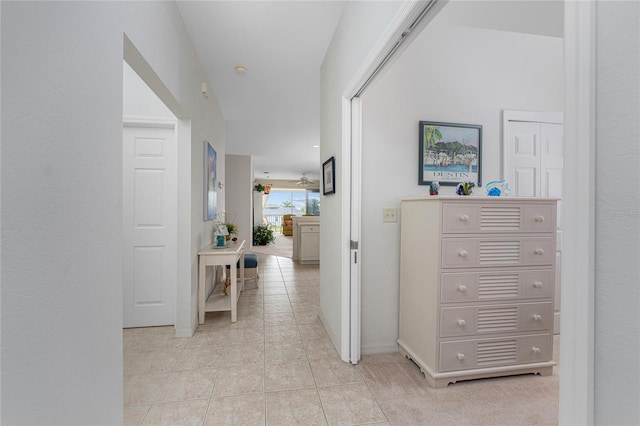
<point x="277" y="366"/>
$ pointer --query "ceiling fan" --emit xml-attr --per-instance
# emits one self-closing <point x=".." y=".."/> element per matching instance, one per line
<point x="303" y="181"/>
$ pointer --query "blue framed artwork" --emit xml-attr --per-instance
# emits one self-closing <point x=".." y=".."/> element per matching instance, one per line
<point x="210" y="176"/>
<point x="449" y="153"/>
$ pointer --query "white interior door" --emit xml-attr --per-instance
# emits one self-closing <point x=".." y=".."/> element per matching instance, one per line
<point x="523" y="158"/>
<point x="534" y="162"/>
<point x="150" y="224"/>
<point x="552" y="163"/>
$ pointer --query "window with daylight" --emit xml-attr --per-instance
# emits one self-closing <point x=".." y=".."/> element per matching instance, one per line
<point x="291" y="201"/>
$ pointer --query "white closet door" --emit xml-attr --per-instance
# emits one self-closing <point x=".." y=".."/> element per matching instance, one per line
<point x="149" y="226"/>
<point x="522" y="150"/>
<point x="552" y="162"/>
<point x="534" y="160"/>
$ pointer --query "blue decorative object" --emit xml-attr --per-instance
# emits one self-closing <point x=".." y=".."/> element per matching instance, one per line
<point x="494" y="192"/>
<point x="498" y="188"/>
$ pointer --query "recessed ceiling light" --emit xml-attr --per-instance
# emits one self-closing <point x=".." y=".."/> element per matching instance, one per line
<point x="241" y="70"/>
<point x="266" y="173"/>
<point x="316" y="146"/>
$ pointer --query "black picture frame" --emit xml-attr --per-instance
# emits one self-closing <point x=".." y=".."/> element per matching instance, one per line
<point x="449" y="153"/>
<point x="329" y="176"/>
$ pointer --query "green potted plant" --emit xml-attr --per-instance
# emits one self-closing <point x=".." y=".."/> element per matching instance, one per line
<point x="226" y="220"/>
<point x="258" y="187"/>
<point x="262" y="236"/>
<point x="232" y="228"/>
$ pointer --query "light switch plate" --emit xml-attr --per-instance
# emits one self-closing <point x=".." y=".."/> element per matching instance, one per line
<point x="389" y="214"/>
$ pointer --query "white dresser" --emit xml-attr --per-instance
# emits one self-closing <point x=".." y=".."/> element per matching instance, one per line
<point x="476" y="286"/>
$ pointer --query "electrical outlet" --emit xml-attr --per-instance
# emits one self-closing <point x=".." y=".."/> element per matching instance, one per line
<point x="389" y="214"/>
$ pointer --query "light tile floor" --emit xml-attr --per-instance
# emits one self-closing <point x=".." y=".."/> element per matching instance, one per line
<point x="277" y="366"/>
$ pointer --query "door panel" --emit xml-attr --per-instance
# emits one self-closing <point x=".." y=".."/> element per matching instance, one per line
<point x="523" y="152"/>
<point x="525" y="181"/>
<point x="148" y="198"/>
<point x="147" y="274"/>
<point x="149" y="225"/>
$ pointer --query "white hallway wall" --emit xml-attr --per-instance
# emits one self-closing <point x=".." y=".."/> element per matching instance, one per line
<point x="61" y="197"/>
<point x="451" y="74"/>
<point x="360" y="27"/>
<point x="239" y="190"/>
<point x="139" y="101"/>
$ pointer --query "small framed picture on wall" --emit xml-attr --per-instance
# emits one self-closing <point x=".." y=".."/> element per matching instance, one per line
<point x="329" y="176"/>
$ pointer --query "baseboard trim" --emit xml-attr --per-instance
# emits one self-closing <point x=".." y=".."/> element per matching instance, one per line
<point x="329" y="331"/>
<point x="380" y="348"/>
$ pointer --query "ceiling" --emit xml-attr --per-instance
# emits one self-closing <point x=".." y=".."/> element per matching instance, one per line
<point x="272" y="112"/>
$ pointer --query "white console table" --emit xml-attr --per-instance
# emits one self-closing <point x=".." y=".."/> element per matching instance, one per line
<point x="216" y="300"/>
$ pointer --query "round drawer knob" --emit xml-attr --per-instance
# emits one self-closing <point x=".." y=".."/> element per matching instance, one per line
<point x="462" y="288"/>
<point x="463" y="253"/>
<point x="461" y="323"/>
<point x="535" y="350"/>
<point x="460" y="357"/>
<point x="537" y="317"/>
<point x="537" y="284"/>
<point x="539" y="218"/>
<point x="539" y="251"/>
<point x="463" y="218"/>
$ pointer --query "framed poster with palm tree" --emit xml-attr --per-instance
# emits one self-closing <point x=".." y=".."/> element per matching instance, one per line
<point x="449" y="153"/>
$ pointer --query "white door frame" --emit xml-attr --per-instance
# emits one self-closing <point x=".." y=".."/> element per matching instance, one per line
<point x="578" y="302"/>
<point x="576" y="378"/>
<point x="356" y="218"/>
<point x="186" y="305"/>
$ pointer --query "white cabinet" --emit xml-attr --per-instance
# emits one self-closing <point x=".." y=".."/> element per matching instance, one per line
<point x="477" y="286"/>
<point x="306" y="239"/>
<point x="309" y="243"/>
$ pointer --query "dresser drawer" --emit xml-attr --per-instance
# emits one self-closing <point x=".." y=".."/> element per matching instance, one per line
<point x="460" y="218"/>
<point x="481" y="353"/>
<point x="492" y="319"/>
<point x="505" y="251"/>
<point x="538" y="218"/>
<point x="499" y="285"/>
<point x="492" y="217"/>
